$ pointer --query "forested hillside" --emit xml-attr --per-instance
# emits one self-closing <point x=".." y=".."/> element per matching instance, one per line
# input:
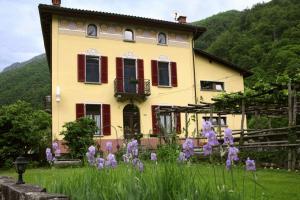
<point x="30" y="82"/>
<point x="264" y="39"/>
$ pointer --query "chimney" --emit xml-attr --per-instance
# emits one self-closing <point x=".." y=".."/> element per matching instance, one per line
<point x="56" y="2"/>
<point x="181" y="19"/>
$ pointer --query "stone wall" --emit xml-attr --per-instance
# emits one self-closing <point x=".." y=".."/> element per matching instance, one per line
<point x="9" y="190"/>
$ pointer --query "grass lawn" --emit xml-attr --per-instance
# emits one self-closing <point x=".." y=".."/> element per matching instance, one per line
<point x="166" y="181"/>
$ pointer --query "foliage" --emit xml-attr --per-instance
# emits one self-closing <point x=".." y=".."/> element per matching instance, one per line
<point x="78" y="135"/>
<point x="168" y="152"/>
<point x="264" y="39"/>
<point x="30" y="82"/>
<point x="23" y="130"/>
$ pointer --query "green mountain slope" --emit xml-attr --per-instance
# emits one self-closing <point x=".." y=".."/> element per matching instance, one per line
<point x="264" y="39"/>
<point x="29" y="82"/>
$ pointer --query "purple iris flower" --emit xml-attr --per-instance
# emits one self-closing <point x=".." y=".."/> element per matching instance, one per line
<point x="228" y="164"/>
<point x="181" y="157"/>
<point x="140" y="166"/>
<point x="206" y="127"/>
<point x="228" y="138"/>
<point x="109" y="146"/>
<point x="250" y="165"/>
<point x="54" y="146"/>
<point x="111" y="161"/>
<point x="135" y="161"/>
<point x="100" y="163"/>
<point x="49" y="156"/>
<point x="207" y="149"/>
<point x="91" y="155"/>
<point x="212" y="138"/>
<point x="92" y="150"/>
<point x="153" y="157"/>
<point x="188" y="148"/>
<point x="233" y="154"/>
<point x="125" y="158"/>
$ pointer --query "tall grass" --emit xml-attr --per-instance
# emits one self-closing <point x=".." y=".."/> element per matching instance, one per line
<point x="159" y="182"/>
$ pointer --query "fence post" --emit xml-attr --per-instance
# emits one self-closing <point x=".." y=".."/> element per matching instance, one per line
<point x="242" y="123"/>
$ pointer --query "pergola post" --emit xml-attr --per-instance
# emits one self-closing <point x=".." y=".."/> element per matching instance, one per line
<point x="242" y="123"/>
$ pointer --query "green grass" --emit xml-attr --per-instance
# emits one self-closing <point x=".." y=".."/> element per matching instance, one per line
<point x="166" y="181"/>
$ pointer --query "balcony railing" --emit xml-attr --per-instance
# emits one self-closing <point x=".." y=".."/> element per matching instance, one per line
<point x="131" y="89"/>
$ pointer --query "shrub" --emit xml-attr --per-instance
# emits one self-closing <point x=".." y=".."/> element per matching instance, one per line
<point x="78" y="136"/>
<point x="23" y="131"/>
<point x="168" y="152"/>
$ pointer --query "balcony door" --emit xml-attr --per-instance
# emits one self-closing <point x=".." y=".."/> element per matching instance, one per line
<point x="130" y="79"/>
<point x="131" y="121"/>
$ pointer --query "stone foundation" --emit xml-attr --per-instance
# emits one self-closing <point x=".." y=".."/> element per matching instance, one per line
<point x="9" y="190"/>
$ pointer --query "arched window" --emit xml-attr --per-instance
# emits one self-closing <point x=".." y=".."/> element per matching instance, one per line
<point x="92" y="30"/>
<point x="162" y="38"/>
<point x="128" y="35"/>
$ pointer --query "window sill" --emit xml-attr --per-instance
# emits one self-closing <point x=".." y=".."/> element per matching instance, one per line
<point x="94" y="37"/>
<point x="164" y="86"/>
<point x="162" y="44"/>
<point x="92" y="83"/>
<point x="132" y="41"/>
<point x="207" y="90"/>
<point x="98" y="136"/>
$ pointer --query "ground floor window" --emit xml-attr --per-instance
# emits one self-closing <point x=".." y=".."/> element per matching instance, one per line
<point x="93" y="111"/>
<point x="215" y="120"/>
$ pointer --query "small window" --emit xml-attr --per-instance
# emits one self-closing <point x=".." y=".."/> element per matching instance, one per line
<point x="92" y="30"/>
<point x="93" y="111"/>
<point x="163" y="74"/>
<point x="162" y="38"/>
<point x="128" y="35"/>
<point x="92" y="69"/>
<point x="210" y="85"/>
<point x="167" y="121"/>
<point x="215" y="121"/>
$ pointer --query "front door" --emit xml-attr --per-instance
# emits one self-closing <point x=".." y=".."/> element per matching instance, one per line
<point x="130" y="81"/>
<point x="131" y="121"/>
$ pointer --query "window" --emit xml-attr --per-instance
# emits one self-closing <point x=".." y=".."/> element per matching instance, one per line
<point x="162" y="38"/>
<point x="92" y="30"/>
<point x="215" y="121"/>
<point x="92" y="69"/>
<point x="210" y="85"/>
<point x="163" y="74"/>
<point x="167" y="122"/>
<point x="93" y="111"/>
<point x="128" y="35"/>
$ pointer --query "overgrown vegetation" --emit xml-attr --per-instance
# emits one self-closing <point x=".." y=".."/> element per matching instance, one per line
<point x="78" y="135"/>
<point x="23" y="131"/>
<point x="264" y="39"/>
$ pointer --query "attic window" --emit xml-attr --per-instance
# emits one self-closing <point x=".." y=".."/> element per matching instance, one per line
<point x="128" y="35"/>
<point x="91" y="30"/>
<point x="212" y="86"/>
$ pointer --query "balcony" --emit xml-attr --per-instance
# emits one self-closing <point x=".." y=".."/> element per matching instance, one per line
<point x="131" y="89"/>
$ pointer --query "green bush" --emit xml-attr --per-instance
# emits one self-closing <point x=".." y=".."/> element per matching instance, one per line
<point x="78" y="136"/>
<point x="168" y="152"/>
<point x="23" y="131"/>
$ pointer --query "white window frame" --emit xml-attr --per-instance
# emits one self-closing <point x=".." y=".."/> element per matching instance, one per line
<point x="169" y="70"/>
<point x="133" y="35"/>
<point x="212" y="82"/>
<point x="101" y="115"/>
<point x="100" y="69"/>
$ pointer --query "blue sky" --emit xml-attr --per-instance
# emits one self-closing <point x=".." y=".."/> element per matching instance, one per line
<point x="20" y="29"/>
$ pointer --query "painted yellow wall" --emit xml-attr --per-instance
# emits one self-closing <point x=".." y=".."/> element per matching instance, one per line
<point x="67" y="44"/>
<point x="208" y="70"/>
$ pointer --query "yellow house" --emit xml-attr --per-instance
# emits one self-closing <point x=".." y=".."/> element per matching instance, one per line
<point x="117" y="69"/>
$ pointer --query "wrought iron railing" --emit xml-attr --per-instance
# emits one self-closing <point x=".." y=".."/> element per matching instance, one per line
<point x="133" y="87"/>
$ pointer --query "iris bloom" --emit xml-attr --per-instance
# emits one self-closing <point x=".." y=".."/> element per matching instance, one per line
<point x="250" y="165"/>
<point x="207" y="149"/>
<point x="109" y="146"/>
<point x="228" y="139"/>
<point x="153" y="157"/>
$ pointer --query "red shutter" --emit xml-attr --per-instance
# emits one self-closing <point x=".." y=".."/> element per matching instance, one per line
<point x="119" y="71"/>
<point x="104" y="69"/>
<point x="141" y="85"/>
<point x="81" y="67"/>
<point x="178" y="123"/>
<point x="155" y="127"/>
<point x="79" y="110"/>
<point x="154" y="72"/>
<point x="106" y="119"/>
<point x="174" y="74"/>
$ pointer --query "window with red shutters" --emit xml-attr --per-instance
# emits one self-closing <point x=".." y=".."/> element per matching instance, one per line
<point x="141" y="86"/>
<point x="79" y="110"/>
<point x="104" y="69"/>
<point x="174" y="74"/>
<point x="81" y="67"/>
<point x="106" y="119"/>
<point x="119" y="71"/>
<point x="154" y="72"/>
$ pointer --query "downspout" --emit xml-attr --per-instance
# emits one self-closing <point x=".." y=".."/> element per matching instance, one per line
<point x="194" y="70"/>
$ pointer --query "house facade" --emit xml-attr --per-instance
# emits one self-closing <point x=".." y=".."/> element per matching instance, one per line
<point x="116" y="69"/>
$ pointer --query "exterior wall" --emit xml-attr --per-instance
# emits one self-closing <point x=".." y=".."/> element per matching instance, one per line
<point x="208" y="70"/>
<point x="68" y="40"/>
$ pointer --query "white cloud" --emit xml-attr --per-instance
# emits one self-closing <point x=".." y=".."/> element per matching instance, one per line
<point x="21" y="36"/>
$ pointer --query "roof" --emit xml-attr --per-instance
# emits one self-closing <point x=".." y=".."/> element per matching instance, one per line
<point x="242" y="71"/>
<point x="47" y="11"/>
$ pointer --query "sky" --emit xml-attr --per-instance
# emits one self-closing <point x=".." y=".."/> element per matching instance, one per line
<point x="20" y="29"/>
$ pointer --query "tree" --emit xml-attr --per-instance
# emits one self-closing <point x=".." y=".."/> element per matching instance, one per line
<point x="23" y="131"/>
<point x="78" y="135"/>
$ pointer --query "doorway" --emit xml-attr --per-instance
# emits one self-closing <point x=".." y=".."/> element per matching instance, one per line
<point x="130" y="81"/>
<point x="131" y="122"/>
